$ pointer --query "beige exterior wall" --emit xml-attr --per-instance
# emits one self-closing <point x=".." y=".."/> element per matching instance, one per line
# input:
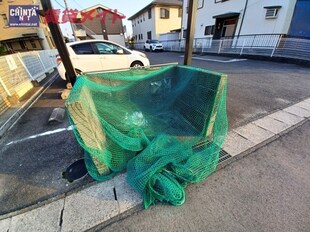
<point x="7" y="33"/>
<point x="156" y="25"/>
<point x="166" y="25"/>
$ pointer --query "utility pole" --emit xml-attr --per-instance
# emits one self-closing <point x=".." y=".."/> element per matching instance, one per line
<point x="67" y="11"/>
<point x="190" y="31"/>
<point x="58" y="39"/>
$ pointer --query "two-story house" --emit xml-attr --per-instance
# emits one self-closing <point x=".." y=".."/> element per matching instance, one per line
<point x="19" y="39"/>
<point x="158" y="17"/>
<point x="100" y="22"/>
<point x="229" y="18"/>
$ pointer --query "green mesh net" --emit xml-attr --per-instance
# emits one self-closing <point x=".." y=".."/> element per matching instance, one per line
<point x="165" y="125"/>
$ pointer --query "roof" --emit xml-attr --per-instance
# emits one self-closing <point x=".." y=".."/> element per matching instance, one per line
<point x="155" y="3"/>
<point x="103" y="7"/>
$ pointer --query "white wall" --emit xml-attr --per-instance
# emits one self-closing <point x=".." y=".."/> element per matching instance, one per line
<point x="254" y="21"/>
<point x="144" y="26"/>
<point x="119" y="39"/>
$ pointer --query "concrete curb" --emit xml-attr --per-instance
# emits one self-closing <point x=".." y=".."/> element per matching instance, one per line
<point x="97" y="205"/>
<point x="23" y="109"/>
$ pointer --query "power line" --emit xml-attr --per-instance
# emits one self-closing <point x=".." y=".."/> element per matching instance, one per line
<point x="78" y="4"/>
<point x="59" y="4"/>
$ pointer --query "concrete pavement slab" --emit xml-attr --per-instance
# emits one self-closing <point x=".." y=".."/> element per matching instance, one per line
<point x="5" y="225"/>
<point x="304" y="104"/>
<point x="127" y="197"/>
<point x="286" y="117"/>
<point x="235" y="144"/>
<point x="272" y="124"/>
<point x="89" y="207"/>
<point x="254" y="133"/>
<point x="46" y="218"/>
<point x="296" y="110"/>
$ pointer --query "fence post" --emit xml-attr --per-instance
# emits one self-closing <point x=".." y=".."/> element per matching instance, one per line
<point x="25" y="67"/>
<point x="242" y="46"/>
<point x="202" y="47"/>
<point x="275" y="47"/>
<point x="219" y="51"/>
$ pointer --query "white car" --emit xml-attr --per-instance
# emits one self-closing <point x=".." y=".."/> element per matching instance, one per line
<point x="153" y="45"/>
<point x="100" y="55"/>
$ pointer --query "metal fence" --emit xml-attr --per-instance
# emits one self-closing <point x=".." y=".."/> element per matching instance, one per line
<point x="273" y="45"/>
<point x="18" y="71"/>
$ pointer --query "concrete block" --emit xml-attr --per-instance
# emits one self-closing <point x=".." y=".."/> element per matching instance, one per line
<point x="301" y="112"/>
<point x="5" y="225"/>
<point x="307" y="100"/>
<point x="235" y="144"/>
<point x="272" y="124"/>
<point x="89" y="207"/>
<point x="65" y="94"/>
<point x="57" y="115"/>
<point x="254" y="133"/>
<point x="127" y="197"/>
<point x="46" y="218"/>
<point x="286" y="117"/>
<point x="304" y="104"/>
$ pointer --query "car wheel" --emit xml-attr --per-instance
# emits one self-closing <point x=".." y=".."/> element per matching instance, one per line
<point x="136" y="64"/>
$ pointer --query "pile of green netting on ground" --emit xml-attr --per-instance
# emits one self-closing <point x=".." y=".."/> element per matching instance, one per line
<point x="165" y="125"/>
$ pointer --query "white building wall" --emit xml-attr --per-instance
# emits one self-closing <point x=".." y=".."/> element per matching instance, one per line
<point x="144" y="26"/>
<point x="254" y="20"/>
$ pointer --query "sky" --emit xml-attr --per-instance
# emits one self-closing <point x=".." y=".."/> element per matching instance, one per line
<point x="127" y="7"/>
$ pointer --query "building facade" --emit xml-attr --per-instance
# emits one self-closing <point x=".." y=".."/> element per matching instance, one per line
<point x="229" y="18"/>
<point x="101" y="23"/>
<point x="156" y="18"/>
<point x="17" y="39"/>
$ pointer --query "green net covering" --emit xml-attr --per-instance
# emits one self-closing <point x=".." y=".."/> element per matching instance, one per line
<point x="165" y="125"/>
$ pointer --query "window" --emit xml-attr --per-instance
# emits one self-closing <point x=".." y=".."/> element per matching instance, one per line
<point x="142" y="36"/>
<point x="33" y="44"/>
<point x="150" y="13"/>
<point x="184" y="33"/>
<point x="164" y="13"/>
<point x="200" y="5"/>
<point x="209" y="30"/>
<point x="108" y="48"/>
<point x="22" y="44"/>
<point x="180" y="12"/>
<point x="5" y="20"/>
<point x="149" y="35"/>
<point x="271" y="13"/>
<point x="83" y="49"/>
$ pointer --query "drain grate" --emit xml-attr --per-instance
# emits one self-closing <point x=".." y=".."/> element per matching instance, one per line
<point x="224" y="156"/>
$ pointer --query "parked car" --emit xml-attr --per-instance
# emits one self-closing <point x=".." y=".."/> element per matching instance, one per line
<point x="153" y="45"/>
<point x="99" y="55"/>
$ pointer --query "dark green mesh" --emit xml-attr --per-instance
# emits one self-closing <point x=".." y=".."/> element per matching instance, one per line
<point x="166" y="125"/>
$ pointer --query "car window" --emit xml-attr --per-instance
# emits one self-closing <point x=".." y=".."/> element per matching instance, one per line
<point x="83" y="49"/>
<point x="154" y="41"/>
<point x="108" y="48"/>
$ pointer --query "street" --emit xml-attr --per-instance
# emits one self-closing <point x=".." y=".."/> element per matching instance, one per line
<point x="31" y="167"/>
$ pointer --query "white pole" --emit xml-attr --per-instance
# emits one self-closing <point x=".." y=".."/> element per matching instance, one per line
<point x="277" y="44"/>
<point x="219" y="51"/>
<point x="242" y="46"/>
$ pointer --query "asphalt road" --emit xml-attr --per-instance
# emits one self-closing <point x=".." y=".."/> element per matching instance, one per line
<point x="267" y="190"/>
<point x="31" y="169"/>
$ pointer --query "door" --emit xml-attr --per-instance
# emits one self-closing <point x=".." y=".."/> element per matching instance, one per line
<point x="111" y="56"/>
<point x="85" y="58"/>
